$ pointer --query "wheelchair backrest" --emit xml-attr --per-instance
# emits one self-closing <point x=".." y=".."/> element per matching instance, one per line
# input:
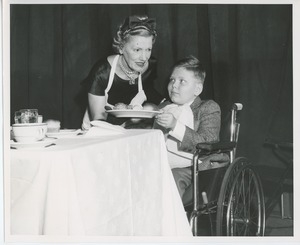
<point x="230" y="127"/>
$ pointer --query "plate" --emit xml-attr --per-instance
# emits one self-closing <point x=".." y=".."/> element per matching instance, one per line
<point x="64" y="132"/>
<point x="133" y="113"/>
<point x="42" y="143"/>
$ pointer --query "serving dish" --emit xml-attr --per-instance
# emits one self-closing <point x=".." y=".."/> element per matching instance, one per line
<point x="133" y="113"/>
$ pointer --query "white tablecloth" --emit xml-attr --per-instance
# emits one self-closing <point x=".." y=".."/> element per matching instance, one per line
<point x="118" y="185"/>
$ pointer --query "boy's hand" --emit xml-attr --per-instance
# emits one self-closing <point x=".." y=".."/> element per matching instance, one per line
<point x="166" y="120"/>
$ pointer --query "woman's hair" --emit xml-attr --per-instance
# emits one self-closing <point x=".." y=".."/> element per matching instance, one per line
<point x="191" y="63"/>
<point x="136" y="25"/>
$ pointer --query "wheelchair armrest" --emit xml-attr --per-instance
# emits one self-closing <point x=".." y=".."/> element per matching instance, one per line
<point x="282" y="149"/>
<point x="218" y="147"/>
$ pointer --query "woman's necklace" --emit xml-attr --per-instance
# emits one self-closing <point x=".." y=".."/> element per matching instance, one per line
<point x="132" y="75"/>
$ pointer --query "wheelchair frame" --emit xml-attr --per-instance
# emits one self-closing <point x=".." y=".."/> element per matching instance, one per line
<point x="284" y="152"/>
<point x="240" y="207"/>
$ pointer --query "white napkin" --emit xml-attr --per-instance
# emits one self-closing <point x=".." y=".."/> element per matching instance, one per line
<point x="184" y="115"/>
<point x="101" y="128"/>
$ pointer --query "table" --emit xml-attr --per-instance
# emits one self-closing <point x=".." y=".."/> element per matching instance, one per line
<point x="115" y="185"/>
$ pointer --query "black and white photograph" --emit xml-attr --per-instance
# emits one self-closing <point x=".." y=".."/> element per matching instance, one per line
<point x="149" y="121"/>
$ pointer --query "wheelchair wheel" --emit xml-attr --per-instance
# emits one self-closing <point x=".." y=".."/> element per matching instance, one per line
<point x="241" y="207"/>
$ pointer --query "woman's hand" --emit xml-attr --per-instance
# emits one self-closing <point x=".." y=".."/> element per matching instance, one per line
<point x="166" y="120"/>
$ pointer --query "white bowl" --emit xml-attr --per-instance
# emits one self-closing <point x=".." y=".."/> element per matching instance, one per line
<point x="29" y="132"/>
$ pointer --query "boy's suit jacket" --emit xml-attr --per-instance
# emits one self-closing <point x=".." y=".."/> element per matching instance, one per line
<point x="207" y="123"/>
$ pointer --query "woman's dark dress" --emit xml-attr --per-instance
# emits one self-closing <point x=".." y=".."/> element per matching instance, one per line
<point x="121" y="91"/>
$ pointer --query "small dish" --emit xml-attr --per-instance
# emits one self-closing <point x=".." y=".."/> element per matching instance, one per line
<point x="133" y="113"/>
<point x="64" y="133"/>
<point x="37" y="144"/>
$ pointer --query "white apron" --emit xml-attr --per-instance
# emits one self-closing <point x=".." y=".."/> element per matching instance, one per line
<point x="138" y="99"/>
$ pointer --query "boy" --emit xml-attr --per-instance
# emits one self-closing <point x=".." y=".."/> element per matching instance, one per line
<point x="188" y="120"/>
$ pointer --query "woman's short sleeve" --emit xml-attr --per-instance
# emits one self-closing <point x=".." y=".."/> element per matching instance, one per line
<point x="98" y="78"/>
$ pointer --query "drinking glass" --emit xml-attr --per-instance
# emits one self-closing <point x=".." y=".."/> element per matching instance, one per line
<point x="26" y="116"/>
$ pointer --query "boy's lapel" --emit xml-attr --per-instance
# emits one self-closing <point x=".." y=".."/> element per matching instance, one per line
<point x="196" y="103"/>
<point x="194" y="106"/>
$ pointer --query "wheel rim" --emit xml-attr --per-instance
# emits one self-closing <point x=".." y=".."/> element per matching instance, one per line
<point x="244" y="211"/>
<point x="241" y="208"/>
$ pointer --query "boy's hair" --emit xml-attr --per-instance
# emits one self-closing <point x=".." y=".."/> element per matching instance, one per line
<point x="191" y="63"/>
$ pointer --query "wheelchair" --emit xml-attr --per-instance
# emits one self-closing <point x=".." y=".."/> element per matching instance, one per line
<point x="230" y="196"/>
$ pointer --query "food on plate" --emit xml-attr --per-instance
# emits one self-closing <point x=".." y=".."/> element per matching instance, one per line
<point x="150" y="107"/>
<point x="137" y="107"/>
<point x="122" y="106"/>
<point x="146" y="106"/>
<point x="53" y="126"/>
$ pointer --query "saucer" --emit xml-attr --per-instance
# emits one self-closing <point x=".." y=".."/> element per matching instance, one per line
<point x="37" y="144"/>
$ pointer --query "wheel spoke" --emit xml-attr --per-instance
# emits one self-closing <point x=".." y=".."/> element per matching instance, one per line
<point x="241" y="200"/>
<point x="240" y="212"/>
<point x="245" y="215"/>
<point x="244" y="225"/>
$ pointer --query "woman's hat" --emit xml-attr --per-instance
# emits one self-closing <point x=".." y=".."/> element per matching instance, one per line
<point x="133" y="23"/>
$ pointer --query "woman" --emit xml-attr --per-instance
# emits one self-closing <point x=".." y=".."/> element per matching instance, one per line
<point x="126" y="77"/>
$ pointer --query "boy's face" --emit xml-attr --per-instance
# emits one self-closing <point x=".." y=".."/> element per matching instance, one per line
<point x="184" y="86"/>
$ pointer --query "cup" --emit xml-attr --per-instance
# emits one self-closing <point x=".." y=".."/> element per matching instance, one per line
<point x="26" y="116"/>
<point x="40" y="118"/>
<point x="28" y="133"/>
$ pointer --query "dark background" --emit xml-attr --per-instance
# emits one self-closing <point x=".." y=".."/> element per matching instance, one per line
<point x="247" y="51"/>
